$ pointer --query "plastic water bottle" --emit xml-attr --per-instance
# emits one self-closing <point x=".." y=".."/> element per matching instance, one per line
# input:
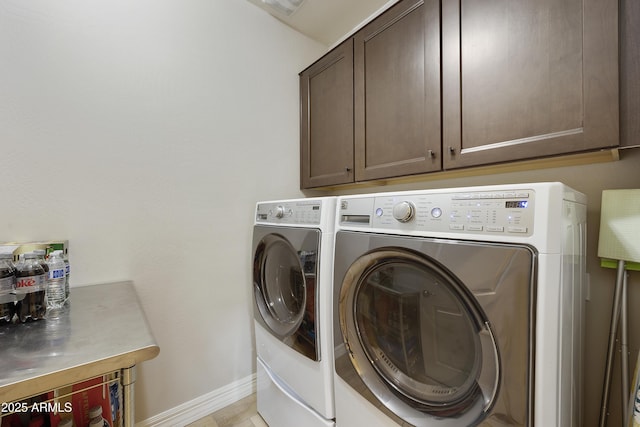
<point x="56" y="294"/>
<point x="67" y="274"/>
<point x="30" y="289"/>
<point x="7" y="285"/>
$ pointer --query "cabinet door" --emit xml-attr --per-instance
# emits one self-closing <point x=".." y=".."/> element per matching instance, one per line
<point x="397" y="92"/>
<point x="326" y="122"/>
<point x="629" y="72"/>
<point x="524" y="79"/>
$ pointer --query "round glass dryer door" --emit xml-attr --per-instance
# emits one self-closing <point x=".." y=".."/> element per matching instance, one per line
<point x="279" y="285"/>
<point x="418" y="338"/>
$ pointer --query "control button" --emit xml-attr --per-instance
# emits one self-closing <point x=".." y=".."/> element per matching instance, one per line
<point x="456" y="226"/>
<point x="522" y="195"/>
<point x="404" y="211"/>
<point x="494" y="228"/>
<point x="436" y="212"/>
<point x="517" y="229"/>
<point x="509" y="195"/>
<point x="279" y="212"/>
<point x="474" y="227"/>
<point x="379" y="212"/>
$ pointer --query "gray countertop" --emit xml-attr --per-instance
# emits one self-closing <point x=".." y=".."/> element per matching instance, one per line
<point x="102" y="330"/>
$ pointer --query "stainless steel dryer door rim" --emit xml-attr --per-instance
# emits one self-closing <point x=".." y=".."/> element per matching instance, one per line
<point x="374" y="359"/>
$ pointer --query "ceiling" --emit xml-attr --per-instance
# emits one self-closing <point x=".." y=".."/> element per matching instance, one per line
<point x="326" y="21"/>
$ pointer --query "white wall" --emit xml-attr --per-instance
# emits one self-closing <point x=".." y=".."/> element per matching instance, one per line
<point x="144" y="132"/>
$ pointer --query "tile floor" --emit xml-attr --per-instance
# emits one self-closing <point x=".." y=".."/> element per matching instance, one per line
<point x="243" y="413"/>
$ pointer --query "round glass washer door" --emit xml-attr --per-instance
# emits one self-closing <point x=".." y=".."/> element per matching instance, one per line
<point x="279" y="285"/>
<point x="417" y="337"/>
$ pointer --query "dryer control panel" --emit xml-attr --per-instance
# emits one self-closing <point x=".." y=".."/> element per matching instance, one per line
<point x="293" y="212"/>
<point x="486" y="212"/>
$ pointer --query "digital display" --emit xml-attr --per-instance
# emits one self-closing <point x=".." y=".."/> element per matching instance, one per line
<point x="510" y="204"/>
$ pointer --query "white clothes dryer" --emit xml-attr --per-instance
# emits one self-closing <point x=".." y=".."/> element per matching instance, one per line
<point x="292" y="278"/>
<point x="460" y="307"/>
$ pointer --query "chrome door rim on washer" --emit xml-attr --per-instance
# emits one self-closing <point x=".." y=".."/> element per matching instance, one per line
<point x="275" y="307"/>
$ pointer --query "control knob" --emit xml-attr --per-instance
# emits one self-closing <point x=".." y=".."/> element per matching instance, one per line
<point x="279" y="212"/>
<point x="404" y="211"/>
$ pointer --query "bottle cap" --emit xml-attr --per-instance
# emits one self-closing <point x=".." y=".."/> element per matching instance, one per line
<point x="96" y="422"/>
<point x="95" y="411"/>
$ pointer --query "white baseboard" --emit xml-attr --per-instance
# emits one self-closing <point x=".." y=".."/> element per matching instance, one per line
<point x="204" y="405"/>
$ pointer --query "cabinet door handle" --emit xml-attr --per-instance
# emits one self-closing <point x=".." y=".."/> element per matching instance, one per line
<point x="347" y="169"/>
<point x="452" y="151"/>
<point x="431" y="154"/>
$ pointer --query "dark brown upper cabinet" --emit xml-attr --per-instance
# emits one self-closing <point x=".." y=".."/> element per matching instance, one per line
<point x="326" y="122"/>
<point x="528" y="79"/>
<point x="629" y="72"/>
<point x="437" y="85"/>
<point x="397" y="92"/>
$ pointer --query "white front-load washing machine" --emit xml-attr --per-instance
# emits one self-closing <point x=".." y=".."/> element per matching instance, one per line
<point x="292" y="276"/>
<point x="460" y="307"/>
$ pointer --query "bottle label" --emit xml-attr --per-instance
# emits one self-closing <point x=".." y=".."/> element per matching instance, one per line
<point x="57" y="273"/>
<point x="6" y="285"/>
<point x="28" y="284"/>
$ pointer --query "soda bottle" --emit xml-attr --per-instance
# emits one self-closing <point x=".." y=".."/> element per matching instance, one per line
<point x="40" y="253"/>
<point x="55" y="286"/>
<point x="96" y="418"/>
<point x="7" y="286"/>
<point x="20" y="261"/>
<point x="30" y="289"/>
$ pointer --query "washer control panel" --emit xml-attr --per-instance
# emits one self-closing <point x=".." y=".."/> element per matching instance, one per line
<point x="294" y="212"/>
<point x="487" y="212"/>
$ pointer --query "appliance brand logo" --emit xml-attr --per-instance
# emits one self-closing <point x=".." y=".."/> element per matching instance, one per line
<point x="344" y="204"/>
